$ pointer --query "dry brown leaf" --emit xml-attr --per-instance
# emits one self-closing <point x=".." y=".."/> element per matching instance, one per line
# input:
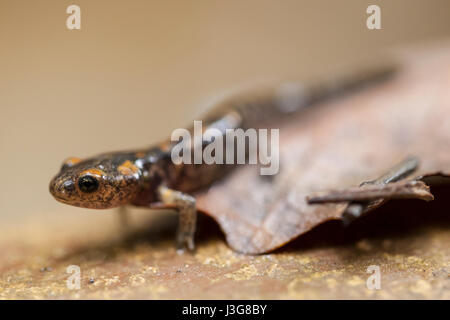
<point x="335" y="146"/>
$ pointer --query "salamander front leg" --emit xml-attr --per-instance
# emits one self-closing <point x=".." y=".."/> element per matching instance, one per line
<point x="188" y="216"/>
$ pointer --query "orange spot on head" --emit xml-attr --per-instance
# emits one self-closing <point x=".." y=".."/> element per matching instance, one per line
<point x="128" y="168"/>
<point x="165" y="146"/>
<point x="71" y="161"/>
<point x="140" y="154"/>
<point x="93" y="172"/>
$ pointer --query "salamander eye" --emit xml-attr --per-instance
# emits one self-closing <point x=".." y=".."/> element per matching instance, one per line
<point x="88" y="184"/>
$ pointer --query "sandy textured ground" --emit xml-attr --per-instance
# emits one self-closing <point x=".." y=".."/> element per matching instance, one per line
<point x="410" y="245"/>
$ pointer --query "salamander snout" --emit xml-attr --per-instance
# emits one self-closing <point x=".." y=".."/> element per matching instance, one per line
<point x="63" y="189"/>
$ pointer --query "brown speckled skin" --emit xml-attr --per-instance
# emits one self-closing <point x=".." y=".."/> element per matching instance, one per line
<point x="133" y="177"/>
<point x="118" y="188"/>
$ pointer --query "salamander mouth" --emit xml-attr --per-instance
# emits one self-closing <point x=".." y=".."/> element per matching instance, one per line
<point x="84" y="203"/>
<point x="61" y="197"/>
<point x="59" y="192"/>
<point x="63" y="200"/>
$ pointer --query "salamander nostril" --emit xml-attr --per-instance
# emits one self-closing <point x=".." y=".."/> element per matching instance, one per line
<point x="68" y="186"/>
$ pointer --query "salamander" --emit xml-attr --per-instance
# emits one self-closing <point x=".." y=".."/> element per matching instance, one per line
<point x="149" y="178"/>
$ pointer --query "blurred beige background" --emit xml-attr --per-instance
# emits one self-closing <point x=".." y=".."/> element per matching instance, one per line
<point x="138" y="69"/>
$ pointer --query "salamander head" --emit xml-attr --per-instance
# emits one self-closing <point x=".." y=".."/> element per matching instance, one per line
<point x="104" y="182"/>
